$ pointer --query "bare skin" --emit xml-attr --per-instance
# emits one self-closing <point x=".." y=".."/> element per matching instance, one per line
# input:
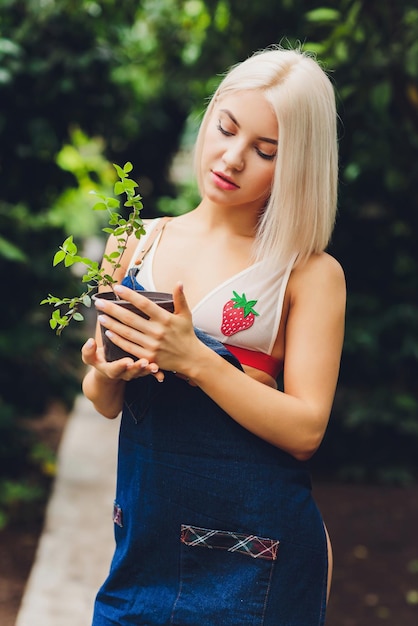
<point x="309" y="342"/>
<point x="221" y="229"/>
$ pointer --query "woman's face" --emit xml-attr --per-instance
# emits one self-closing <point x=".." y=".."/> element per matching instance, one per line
<point x="239" y="151"/>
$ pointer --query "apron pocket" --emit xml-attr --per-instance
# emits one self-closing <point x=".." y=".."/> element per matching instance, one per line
<point x="224" y="578"/>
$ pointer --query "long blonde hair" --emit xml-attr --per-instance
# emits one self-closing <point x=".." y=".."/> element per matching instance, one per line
<point x="300" y="213"/>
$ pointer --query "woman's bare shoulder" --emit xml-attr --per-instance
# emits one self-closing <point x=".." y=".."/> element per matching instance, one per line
<point x="320" y="273"/>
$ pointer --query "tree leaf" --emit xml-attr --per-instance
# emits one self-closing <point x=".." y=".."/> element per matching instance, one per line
<point x="119" y="170"/>
<point x="11" y="252"/>
<point x="112" y="203"/>
<point x="100" y="206"/>
<point x="323" y="14"/>
<point x="58" y="257"/>
<point x="118" y="188"/>
<point x="69" y="261"/>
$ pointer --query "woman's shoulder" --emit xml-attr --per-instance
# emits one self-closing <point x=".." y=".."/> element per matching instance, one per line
<point x="132" y="245"/>
<point x="320" y="273"/>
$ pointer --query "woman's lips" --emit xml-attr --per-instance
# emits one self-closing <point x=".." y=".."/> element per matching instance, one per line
<point x="223" y="181"/>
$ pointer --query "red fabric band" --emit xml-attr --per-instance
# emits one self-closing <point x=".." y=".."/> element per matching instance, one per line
<point x="258" y="360"/>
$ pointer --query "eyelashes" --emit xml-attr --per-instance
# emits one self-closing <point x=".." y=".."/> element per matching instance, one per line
<point x="227" y="133"/>
<point x="222" y="130"/>
<point x="268" y="157"/>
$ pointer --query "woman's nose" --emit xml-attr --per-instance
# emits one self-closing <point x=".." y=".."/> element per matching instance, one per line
<point x="234" y="157"/>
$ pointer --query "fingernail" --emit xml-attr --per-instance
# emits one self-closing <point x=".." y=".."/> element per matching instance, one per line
<point x="89" y="343"/>
<point x="118" y="288"/>
<point x="102" y="319"/>
<point x="99" y="303"/>
<point x="108" y="333"/>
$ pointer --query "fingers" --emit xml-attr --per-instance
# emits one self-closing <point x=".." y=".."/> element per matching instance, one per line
<point x="160" y="337"/>
<point x="125" y="369"/>
<point x="141" y="368"/>
<point x="144" y="304"/>
<point x="146" y="309"/>
<point x="88" y="351"/>
<point x="180" y="303"/>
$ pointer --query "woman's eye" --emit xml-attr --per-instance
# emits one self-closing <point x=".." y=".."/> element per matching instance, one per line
<point x="223" y="130"/>
<point x="264" y="155"/>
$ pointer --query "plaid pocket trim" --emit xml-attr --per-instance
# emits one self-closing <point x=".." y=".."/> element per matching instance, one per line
<point x="250" y="545"/>
<point x="117" y="515"/>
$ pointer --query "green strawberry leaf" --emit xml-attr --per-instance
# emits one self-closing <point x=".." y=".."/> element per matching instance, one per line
<point x="241" y="302"/>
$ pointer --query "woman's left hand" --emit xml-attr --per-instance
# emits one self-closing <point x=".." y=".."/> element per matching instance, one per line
<point x="165" y="338"/>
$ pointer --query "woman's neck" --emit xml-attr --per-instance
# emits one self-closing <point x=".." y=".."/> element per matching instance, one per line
<point x="235" y="220"/>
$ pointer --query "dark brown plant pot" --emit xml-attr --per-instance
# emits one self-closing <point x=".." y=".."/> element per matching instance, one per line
<point x="164" y="300"/>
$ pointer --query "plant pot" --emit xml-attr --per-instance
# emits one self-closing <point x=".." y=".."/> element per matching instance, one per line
<point x="164" y="300"/>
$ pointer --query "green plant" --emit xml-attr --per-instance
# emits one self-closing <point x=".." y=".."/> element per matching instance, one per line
<point x="95" y="276"/>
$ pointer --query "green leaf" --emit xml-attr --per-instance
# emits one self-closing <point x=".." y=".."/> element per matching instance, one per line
<point x="78" y="317"/>
<point x="118" y="188"/>
<point x="112" y="203"/>
<point x="129" y="185"/>
<point x="11" y="252"/>
<point x="56" y="315"/>
<point x="69" y="261"/>
<point x="323" y="14"/>
<point x="100" y="206"/>
<point x="85" y="260"/>
<point x="128" y="167"/>
<point x="119" y="170"/>
<point x="69" y="246"/>
<point x="67" y="242"/>
<point x="58" y="257"/>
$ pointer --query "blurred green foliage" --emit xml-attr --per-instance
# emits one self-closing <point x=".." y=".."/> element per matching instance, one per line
<point x="373" y="48"/>
<point x="86" y="83"/>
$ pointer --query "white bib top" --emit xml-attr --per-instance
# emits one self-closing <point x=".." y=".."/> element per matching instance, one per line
<point x="244" y="311"/>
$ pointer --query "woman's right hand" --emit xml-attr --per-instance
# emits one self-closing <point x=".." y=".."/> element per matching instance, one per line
<point x="125" y="369"/>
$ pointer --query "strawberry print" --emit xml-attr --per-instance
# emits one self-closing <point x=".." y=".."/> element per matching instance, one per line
<point x="238" y="314"/>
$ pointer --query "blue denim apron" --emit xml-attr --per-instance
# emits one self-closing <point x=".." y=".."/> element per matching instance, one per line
<point x="213" y="525"/>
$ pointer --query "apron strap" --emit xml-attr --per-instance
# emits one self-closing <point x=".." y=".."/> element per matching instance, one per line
<point x="151" y="238"/>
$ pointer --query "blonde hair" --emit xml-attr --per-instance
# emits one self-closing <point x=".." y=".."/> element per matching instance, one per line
<point x="300" y="213"/>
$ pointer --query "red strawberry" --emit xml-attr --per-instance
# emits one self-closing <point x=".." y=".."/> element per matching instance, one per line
<point x="238" y="314"/>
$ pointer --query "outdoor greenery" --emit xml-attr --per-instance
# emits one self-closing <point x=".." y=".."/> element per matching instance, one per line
<point x="85" y="83"/>
<point x="68" y="308"/>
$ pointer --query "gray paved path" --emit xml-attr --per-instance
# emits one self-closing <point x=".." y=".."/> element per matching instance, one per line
<point x="76" y="545"/>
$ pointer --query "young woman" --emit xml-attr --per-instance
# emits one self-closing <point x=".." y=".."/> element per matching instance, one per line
<point x="214" y="517"/>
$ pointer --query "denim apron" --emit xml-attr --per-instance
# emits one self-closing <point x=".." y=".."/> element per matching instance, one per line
<point x="213" y="525"/>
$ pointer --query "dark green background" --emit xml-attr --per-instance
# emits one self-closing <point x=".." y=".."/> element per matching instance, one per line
<point x="135" y="75"/>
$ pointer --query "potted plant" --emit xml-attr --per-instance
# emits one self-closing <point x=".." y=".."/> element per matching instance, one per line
<point x="67" y="309"/>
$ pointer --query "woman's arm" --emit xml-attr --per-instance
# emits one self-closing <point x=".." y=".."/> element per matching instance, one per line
<point x="105" y="393"/>
<point x="294" y="420"/>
